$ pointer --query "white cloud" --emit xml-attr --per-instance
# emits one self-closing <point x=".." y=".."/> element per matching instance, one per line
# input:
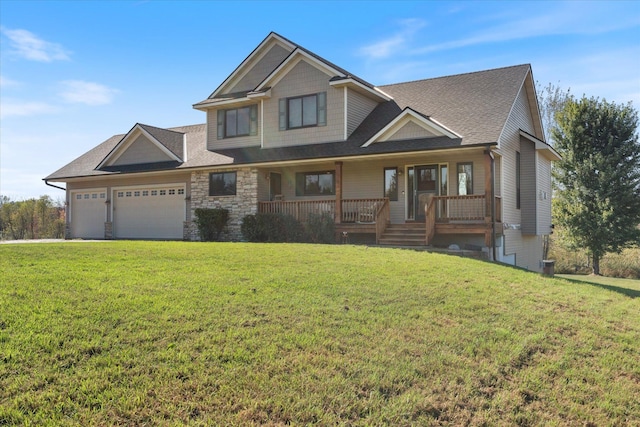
<point x="22" y="109"/>
<point x="27" y="45"/>
<point x="81" y="92"/>
<point x="568" y="18"/>
<point x="394" y="43"/>
<point x="7" y="82"/>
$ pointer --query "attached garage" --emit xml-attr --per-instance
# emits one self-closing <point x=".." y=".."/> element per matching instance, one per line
<point x="156" y="212"/>
<point x="88" y="213"/>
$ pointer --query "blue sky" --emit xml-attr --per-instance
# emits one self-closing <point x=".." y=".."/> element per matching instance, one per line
<point x="74" y="73"/>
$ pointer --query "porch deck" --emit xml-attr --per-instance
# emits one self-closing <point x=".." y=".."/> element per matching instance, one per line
<point x="443" y="215"/>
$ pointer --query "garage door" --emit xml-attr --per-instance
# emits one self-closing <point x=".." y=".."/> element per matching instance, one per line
<point x="149" y="213"/>
<point x="88" y="214"/>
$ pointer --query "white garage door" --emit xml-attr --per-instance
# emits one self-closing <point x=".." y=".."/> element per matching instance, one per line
<point x="149" y="213"/>
<point x="88" y="214"/>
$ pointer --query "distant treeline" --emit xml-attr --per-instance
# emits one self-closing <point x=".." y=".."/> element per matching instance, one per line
<point x="31" y="219"/>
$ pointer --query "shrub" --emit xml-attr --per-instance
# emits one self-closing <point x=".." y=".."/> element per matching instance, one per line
<point x="269" y="227"/>
<point x="211" y="223"/>
<point x="321" y="228"/>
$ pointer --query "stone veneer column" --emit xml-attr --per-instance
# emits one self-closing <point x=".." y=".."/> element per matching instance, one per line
<point x="244" y="203"/>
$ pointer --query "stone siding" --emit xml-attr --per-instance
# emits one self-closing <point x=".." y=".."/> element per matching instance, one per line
<point x="244" y="203"/>
<point x="108" y="230"/>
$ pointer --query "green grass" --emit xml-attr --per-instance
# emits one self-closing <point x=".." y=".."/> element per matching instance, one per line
<point x="142" y="333"/>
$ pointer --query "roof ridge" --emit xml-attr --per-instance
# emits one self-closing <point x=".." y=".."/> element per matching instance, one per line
<point x="456" y="75"/>
<point x="158" y="128"/>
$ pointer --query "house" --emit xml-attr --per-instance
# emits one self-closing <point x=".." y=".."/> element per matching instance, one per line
<point x="458" y="159"/>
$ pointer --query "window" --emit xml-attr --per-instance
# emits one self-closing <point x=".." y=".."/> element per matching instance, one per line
<point x="120" y="194"/>
<point x="315" y="183"/>
<point x="238" y="122"/>
<point x="180" y="190"/>
<point x="465" y="178"/>
<point x="154" y="192"/>
<point x="145" y="192"/>
<point x="136" y="194"/>
<point x="391" y="183"/>
<point x="172" y="192"/>
<point x="517" y="180"/>
<point x="222" y="184"/>
<point x="303" y="111"/>
<point x="163" y="192"/>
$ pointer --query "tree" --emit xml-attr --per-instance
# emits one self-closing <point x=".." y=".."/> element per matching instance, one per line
<point x="598" y="179"/>
<point x="552" y="100"/>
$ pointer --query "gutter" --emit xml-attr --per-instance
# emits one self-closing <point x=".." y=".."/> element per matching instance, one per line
<point x="54" y="186"/>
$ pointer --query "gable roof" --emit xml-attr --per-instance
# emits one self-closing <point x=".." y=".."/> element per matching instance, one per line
<point x="475" y="105"/>
<point x="169" y="142"/>
<point x="340" y="75"/>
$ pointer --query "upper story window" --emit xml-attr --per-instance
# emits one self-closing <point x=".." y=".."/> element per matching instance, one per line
<point x="303" y="111"/>
<point x="238" y="122"/>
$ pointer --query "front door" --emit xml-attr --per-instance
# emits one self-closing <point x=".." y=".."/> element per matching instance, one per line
<point x="426" y="186"/>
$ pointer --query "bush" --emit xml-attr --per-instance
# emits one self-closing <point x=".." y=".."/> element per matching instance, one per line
<point x="321" y="228"/>
<point x="211" y="223"/>
<point x="268" y="227"/>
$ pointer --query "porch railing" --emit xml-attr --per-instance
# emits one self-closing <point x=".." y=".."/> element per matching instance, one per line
<point x="299" y="209"/>
<point x="361" y="211"/>
<point x="446" y="209"/>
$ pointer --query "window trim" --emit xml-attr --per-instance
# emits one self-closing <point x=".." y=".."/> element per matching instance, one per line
<point x="301" y="180"/>
<point x="470" y="189"/>
<point x="393" y="197"/>
<point x="235" y="184"/>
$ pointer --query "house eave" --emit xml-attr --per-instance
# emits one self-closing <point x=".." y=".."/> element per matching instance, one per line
<point x="541" y="146"/>
<point x="360" y="88"/>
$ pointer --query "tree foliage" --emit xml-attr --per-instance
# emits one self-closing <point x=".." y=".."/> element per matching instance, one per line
<point x="552" y="100"/>
<point x="31" y="219"/>
<point x="598" y="179"/>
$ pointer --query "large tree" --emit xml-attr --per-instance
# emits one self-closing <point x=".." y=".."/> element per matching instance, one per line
<point x="598" y="179"/>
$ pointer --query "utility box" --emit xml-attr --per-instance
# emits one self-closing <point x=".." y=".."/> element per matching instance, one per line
<point x="548" y="266"/>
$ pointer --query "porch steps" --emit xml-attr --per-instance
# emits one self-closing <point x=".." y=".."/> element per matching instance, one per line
<point x="409" y="234"/>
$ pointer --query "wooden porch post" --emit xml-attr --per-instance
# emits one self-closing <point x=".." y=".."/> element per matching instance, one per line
<point x="338" y="217"/>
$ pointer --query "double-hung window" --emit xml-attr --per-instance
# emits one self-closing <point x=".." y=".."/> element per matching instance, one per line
<point x="222" y="184"/>
<point x="241" y="121"/>
<point x="303" y="111"/>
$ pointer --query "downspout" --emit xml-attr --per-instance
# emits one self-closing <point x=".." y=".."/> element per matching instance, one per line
<point x="493" y="205"/>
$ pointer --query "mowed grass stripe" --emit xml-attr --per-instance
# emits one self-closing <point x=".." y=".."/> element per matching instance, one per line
<point x="270" y="334"/>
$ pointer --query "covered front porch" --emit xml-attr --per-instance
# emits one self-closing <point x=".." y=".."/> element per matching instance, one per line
<point x="443" y="215"/>
<point x="398" y="200"/>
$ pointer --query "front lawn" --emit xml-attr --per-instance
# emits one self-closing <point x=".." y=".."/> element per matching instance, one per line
<point x="161" y="333"/>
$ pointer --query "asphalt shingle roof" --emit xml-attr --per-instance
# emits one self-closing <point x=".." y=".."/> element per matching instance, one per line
<point x="474" y="105"/>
